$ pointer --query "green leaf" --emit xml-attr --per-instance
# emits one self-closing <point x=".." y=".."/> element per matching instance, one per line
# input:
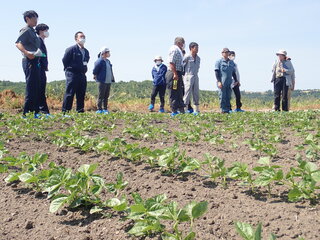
<point x="3" y="168"/>
<point x="24" y="177"/>
<point x="199" y="209"/>
<point x="95" y="209"/>
<point x="169" y="236"/>
<point x="245" y="230"/>
<point x="137" y="198"/>
<point x="257" y="234"/>
<point x="294" y="194"/>
<point x="57" y="203"/>
<point x="87" y="169"/>
<point x="137" y="208"/>
<point x="273" y="237"/>
<point x="12" y="177"/>
<point x="264" y="161"/>
<point x="191" y="236"/>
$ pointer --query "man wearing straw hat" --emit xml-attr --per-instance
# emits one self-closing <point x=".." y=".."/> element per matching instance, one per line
<point x="283" y="78"/>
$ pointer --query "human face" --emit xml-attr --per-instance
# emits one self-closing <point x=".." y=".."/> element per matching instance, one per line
<point x="80" y="36"/>
<point x="225" y="54"/>
<point x="281" y="57"/>
<point x="106" y="55"/>
<point x="32" y="22"/>
<point x="44" y="34"/>
<point x="181" y="45"/>
<point x="194" y="50"/>
<point x="232" y="57"/>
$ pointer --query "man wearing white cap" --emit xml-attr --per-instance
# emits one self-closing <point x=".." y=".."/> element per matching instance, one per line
<point x="159" y="83"/>
<point x="283" y="78"/>
<point x="103" y="74"/>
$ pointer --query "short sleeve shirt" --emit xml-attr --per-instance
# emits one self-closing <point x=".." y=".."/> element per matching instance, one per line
<point x="29" y="39"/>
<point x="191" y="65"/>
<point x="176" y="57"/>
<point x="226" y="68"/>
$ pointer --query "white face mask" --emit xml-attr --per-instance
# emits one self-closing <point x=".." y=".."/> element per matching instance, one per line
<point x="232" y="58"/>
<point x="82" y="41"/>
<point x="46" y="34"/>
<point x="158" y="63"/>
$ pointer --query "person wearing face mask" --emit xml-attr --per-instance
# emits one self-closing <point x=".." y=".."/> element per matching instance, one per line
<point x="174" y="76"/>
<point x="42" y="31"/>
<point x="191" y="80"/>
<point x="75" y="61"/>
<point x="236" y="85"/>
<point x="283" y="79"/>
<point x="103" y="74"/>
<point x="225" y="71"/>
<point x="28" y="43"/>
<point x="159" y="83"/>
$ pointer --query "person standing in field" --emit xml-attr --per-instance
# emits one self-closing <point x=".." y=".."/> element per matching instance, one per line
<point x="159" y="83"/>
<point x="236" y="85"/>
<point x="42" y="31"/>
<point x="75" y="61"/>
<point x="103" y="74"/>
<point x="225" y="71"/>
<point x="191" y="80"/>
<point x="174" y="76"/>
<point x="291" y="89"/>
<point x="28" y="43"/>
<point x="283" y="79"/>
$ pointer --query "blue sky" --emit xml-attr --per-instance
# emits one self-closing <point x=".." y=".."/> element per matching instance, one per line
<point x="136" y="31"/>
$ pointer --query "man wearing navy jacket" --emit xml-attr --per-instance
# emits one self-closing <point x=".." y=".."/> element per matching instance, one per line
<point x="75" y="63"/>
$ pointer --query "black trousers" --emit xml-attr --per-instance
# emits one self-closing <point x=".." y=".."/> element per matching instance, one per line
<point x="42" y="92"/>
<point x="31" y="70"/>
<point x="76" y="84"/>
<point x="237" y="94"/>
<point x="280" y="92"/>
<point x="103" y="97"/>
<point x="175" y="96"/>
<point x="161" y="89"/>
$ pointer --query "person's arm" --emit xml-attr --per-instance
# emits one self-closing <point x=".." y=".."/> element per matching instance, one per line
<point x="96" y="69"/>
<point x="172" y="65"/>
<point x="20" y="46"/>
<point x="67" y="58"/>
<point x="218" y="74"/>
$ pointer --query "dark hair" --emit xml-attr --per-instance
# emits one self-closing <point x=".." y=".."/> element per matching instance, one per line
<point x="192" y="45"/>
<point x="76" y="35"/>
<point x="29" y="14"/>
<point x="232" y="53"/>
<point x="41" y="27"/>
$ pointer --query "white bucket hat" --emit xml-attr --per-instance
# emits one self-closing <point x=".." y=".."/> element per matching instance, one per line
<point x="158" y="58"/>
<point x="282" y="52"/>
<point x="104" y="50"/>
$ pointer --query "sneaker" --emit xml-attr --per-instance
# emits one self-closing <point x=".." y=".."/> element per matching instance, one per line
<point x="151" y="107"/>
<point x="105" y="111"/>
<point x="195" y="113"/>
<point x="190" y="111"/>
<point x="37" y="115"/>
<point x="174" y="114"/>
<point x="238" y="110"/>
<point x="99" y="111"/>
<point x="161" y="110"/>
<point x="230" y="111"/>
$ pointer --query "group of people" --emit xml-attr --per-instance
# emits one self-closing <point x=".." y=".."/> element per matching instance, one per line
<point x="182" y="80"/>
<point x="180" y="77"/>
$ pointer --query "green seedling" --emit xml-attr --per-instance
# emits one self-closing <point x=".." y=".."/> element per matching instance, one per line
<point x="247" y="232"/>
<point x="267" y="174"/>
